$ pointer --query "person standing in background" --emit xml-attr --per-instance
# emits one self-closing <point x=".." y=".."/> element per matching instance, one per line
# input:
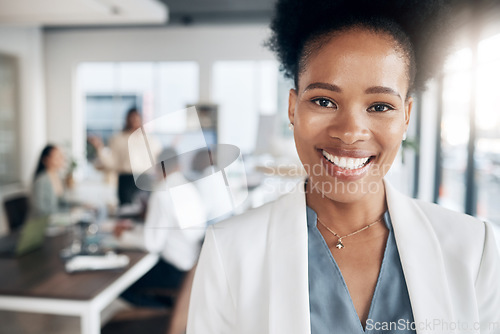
<point x="48" y="188"/>
<point x="174" y="229"/>
<point x="116" y="157"/>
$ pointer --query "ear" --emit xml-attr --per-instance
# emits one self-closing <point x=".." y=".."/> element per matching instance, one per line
<point x="292" y="100"/>
<point x="408" y="108"/>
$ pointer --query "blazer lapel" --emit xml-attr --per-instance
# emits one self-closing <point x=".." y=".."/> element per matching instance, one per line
<point x="422" y="262"/>
<point x="418" y="247"/>
<point x="289" y="285"/>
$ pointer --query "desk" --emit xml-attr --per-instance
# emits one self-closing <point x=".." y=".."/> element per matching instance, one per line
<point x="38" y="283"/>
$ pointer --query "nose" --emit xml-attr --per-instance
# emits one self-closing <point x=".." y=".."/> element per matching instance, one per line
<point x="350" y="126"/>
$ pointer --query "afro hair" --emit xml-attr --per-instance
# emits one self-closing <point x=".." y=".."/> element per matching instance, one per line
<point x="420" y="27"/>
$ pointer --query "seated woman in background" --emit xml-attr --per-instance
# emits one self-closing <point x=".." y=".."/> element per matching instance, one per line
<point x="48" y="187"/>
<point x="174" y="229"/>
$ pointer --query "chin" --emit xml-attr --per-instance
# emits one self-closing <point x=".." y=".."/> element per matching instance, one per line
<point x="342" y="191"/>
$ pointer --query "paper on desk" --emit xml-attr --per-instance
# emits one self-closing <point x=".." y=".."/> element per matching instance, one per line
<point x="97" y="262"/>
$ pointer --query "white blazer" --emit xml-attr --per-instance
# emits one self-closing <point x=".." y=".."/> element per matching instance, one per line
<point x="252" y="276"/>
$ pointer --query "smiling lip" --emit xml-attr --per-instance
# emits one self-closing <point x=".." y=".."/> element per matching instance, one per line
<point x="348" y="165"/>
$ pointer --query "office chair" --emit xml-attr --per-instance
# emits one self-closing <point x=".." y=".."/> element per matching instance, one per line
<point x="16" y="210"/>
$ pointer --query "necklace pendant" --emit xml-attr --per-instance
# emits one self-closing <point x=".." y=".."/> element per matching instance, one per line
<point x="339" y="244"/>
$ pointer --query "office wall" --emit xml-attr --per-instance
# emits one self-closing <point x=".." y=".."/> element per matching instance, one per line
<point x="64" y="50"/>
<point x="26" y="44"/>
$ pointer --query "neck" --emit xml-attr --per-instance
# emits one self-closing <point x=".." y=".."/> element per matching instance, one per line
<point x="52" y="171"/>
<point x="346" y="217"/>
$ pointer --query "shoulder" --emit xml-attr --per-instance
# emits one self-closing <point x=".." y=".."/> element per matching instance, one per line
<point x="119" y="138"/>
<point x="470" y="254"/>
<point x="250" y="231"/>
<point x="444" y="220"/>
<point x="180" y="187"/>
<point x="42" y="180"/>
<point x="457" y="240"/>
<point x="462" y="239"/>
<point x="240" y="245"/>
<point x="260" y="222"/>
<point x="447" y="225"/>
<point x="42" y="177"/>
<point x="249" y="225"/>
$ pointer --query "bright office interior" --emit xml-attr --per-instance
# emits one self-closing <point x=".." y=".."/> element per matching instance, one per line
<point x="71" y="69"/>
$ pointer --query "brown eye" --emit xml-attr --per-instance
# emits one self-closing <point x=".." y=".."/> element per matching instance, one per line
<point x="380" y="108"/>
<point x="325" y="103"/>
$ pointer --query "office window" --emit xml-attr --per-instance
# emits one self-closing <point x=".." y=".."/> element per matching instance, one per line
<point x="455" y="130"/>
<point x="9" y="122"/>
<point x="156" y="88"/>
<point x="469" y="107"/>
<point x="487" y="141"/>
<point x="247" y="95"/>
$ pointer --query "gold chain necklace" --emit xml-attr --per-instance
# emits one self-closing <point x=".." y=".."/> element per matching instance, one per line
<point x="339" y="244"/>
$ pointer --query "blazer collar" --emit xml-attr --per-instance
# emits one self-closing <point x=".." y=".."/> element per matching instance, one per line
<point x="288" y="255"/>
<point x="422" y="261"/>
<point x="419" y="251"/>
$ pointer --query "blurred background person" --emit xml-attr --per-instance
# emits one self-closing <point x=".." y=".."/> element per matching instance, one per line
<point x="205" y="163"/>
<point x="174" y="229"/>
<point x="48" y="187"/>
<point x="116" y="156"/>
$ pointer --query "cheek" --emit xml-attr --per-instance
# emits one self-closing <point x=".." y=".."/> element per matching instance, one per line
<point x="389" y="138"/>
<point x="306" y="135"/>
<point x="308" y="127"/>
<point x="392" y="131"/>
<point x="310" y="123"/>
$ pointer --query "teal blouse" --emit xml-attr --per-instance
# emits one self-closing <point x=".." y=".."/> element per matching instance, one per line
<point x="44" y="200"/>
<point x="331" y="307"/>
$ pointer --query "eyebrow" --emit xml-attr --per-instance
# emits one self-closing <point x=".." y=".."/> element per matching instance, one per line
<point x="324" y="85"/>
<point x="382" y="90"/>
<point x="370" y="90"/>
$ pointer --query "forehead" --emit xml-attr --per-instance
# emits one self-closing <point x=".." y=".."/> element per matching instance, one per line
<point x="56" y="150"/>
<point x="357" y="56"/>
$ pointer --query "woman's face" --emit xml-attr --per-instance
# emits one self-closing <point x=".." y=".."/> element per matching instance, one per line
<point x="134" y="121"/>
<point x="350" y="113"/>
<point x="55" y="160"/>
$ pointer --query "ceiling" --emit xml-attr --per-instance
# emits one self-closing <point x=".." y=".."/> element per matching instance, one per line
<point x="101" y="13"/>
<point x="82" y="12"/>
<point x="219" y="11"/>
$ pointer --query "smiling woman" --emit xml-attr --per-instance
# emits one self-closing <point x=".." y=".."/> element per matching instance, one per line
<point x="342" y="112"/>
<point x="376" y="256"/>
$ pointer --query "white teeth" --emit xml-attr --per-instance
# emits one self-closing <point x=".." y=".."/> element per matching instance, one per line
<point x="345" y="162"/>
<point x="350" y="163"/>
